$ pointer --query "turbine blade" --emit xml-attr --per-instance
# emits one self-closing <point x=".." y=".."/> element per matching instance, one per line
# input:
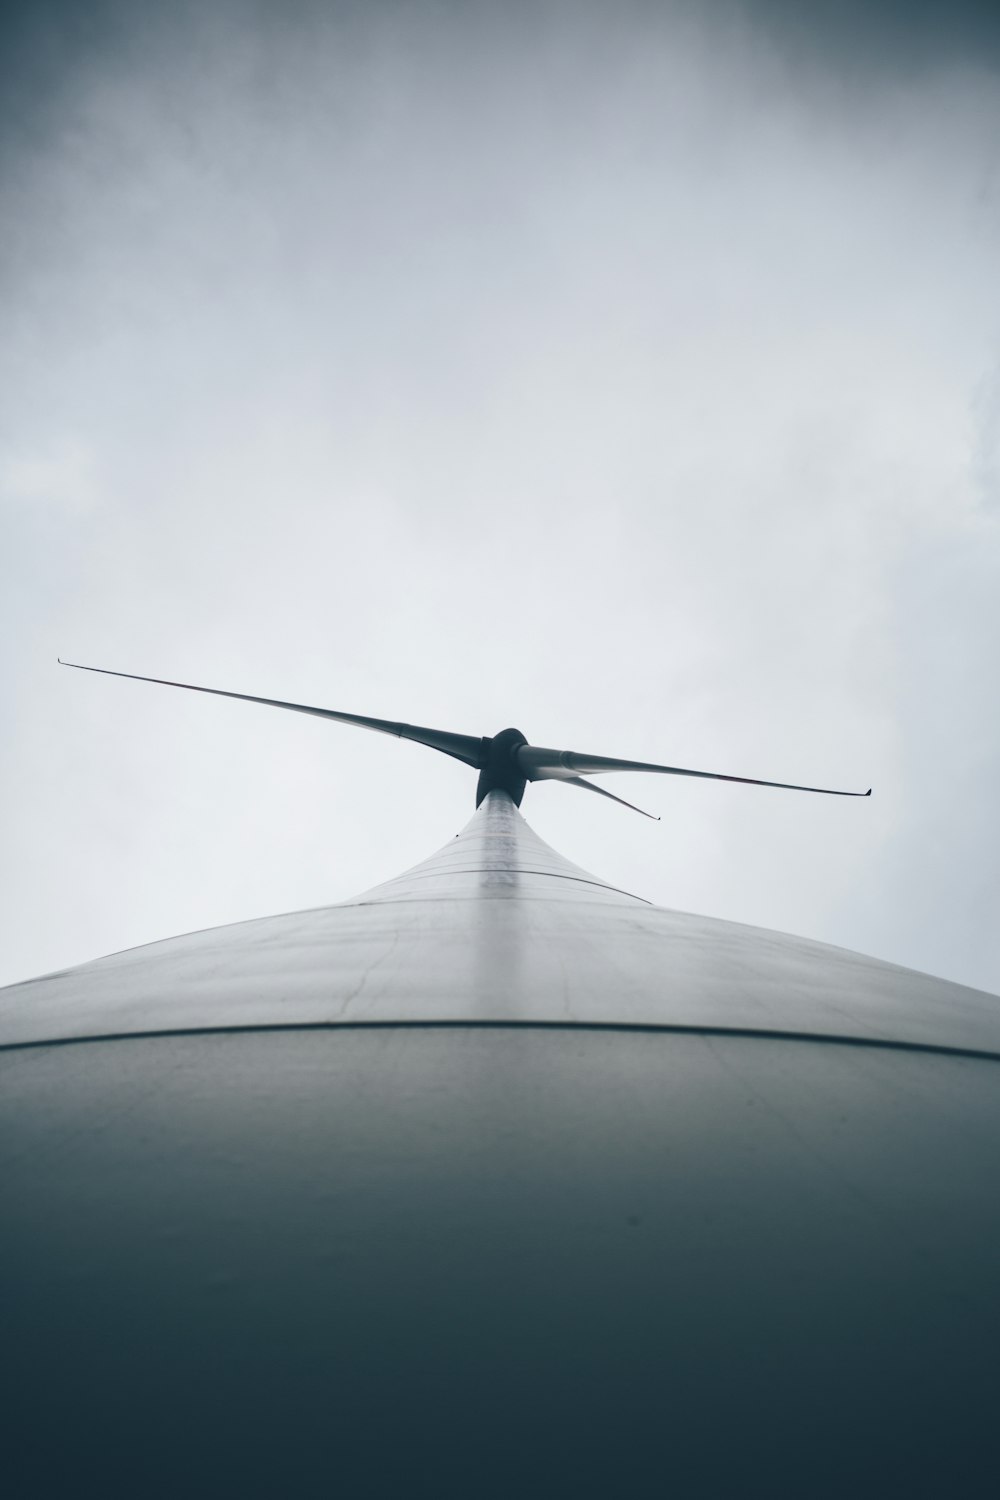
<point x="539" y="764"/>
<point x="462" y="747"/>
<point x="589" y="786"/>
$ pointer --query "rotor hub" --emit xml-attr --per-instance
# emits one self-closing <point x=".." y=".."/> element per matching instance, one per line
<point x="500" y="770"/>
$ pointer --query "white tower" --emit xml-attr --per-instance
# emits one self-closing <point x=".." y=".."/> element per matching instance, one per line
<point x="498" y="1180"/>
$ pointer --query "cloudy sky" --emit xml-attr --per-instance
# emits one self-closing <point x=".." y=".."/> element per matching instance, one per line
<point x="627" y="373"/>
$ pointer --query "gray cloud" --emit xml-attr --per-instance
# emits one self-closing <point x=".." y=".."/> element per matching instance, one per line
<point x="882" y="38"/>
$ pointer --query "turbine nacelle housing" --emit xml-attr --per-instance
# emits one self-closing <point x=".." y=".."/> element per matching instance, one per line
<point x="501" y="766"/>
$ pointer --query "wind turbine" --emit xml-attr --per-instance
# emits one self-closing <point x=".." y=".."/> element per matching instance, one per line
<point x="499" y="1180"/>
<point x="505" y="761"/>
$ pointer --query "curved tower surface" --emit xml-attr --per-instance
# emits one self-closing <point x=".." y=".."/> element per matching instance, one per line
<point x="499" y="1180"/>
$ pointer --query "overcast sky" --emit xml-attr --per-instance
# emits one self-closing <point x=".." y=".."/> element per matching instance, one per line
<point x="626" y="373"/>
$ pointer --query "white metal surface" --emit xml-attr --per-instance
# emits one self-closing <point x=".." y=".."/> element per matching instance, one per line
<point x="388" y="1258"/>
<point x="498" y="927"/>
